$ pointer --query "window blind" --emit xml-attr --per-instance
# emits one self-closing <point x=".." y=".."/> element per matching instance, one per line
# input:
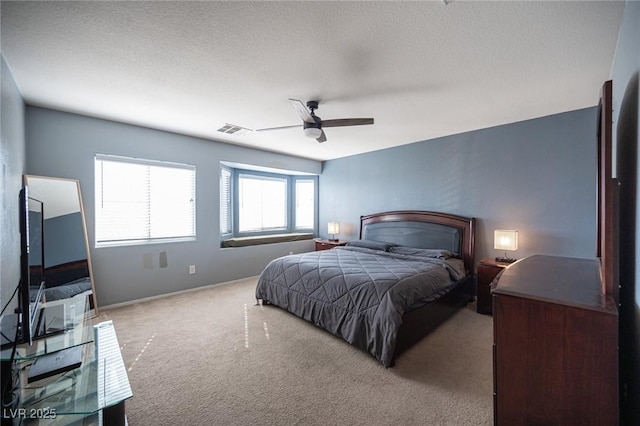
<point x="141" y="201"/>
<point x="225" y="201"/>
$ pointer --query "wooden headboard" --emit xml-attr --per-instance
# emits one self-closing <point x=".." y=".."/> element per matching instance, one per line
<point x="423" y="229"/>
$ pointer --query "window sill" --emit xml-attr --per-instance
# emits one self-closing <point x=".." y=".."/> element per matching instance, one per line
<point x="143" y="242"/>
<point x="265" y="239"/>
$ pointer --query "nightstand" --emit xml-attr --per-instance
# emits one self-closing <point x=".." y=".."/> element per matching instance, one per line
<point x="488" y="269"/>
<point x="326" y="244"/>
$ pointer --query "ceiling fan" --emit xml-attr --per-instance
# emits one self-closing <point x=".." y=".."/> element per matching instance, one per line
<point x="312" y="124"/>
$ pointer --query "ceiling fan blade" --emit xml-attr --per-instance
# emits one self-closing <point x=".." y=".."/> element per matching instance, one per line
<point x="302" y="110"/>
<point x="347" y="122"/>
<point x="323" y="137"/>
<point x="278" y="128"/>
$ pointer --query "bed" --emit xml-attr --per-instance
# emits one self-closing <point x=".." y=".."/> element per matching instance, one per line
<point x="65" y="280"/>
<point x="408" y="272"/>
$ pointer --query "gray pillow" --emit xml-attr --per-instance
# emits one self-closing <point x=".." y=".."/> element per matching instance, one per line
<point x="370" y="244"/>
<point x="432" y="253"/>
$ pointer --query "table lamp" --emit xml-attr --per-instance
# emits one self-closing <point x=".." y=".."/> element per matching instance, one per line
<point x="333" y="229"/>
<point x="506" y="240"/>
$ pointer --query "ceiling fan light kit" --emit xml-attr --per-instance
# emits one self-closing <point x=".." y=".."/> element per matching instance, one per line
<point x="312" y="131"/>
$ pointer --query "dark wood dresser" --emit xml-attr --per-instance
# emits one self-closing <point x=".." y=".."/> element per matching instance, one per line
<point x="555" y="347"/>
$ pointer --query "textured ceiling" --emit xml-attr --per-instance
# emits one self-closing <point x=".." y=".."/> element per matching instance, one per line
<point x="421" y="69"/>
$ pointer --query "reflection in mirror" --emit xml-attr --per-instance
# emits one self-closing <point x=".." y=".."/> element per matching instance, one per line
<point x="67" y="263"/>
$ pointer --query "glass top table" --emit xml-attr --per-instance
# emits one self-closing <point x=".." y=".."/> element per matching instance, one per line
<point x="99" y="383"/>
<point x="70" y="326"/>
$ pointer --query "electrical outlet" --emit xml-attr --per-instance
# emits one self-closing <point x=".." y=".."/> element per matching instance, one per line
<point x="192" y="269"/>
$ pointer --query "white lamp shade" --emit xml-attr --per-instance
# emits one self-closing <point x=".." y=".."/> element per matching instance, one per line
<point x="312" y="132"/>
<point x="333" y="228"/>
<point x="505" y="239"/>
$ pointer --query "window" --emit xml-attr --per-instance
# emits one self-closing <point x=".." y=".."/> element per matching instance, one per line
<point x="305" y="203"/>
<point x="143" y="201"/>
<point x="259" y="203"/>
<point x="225" y="201"/>
<point x="262" y="203"/>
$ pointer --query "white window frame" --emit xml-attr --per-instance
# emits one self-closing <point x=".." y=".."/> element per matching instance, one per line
<point x="124" y="240"/>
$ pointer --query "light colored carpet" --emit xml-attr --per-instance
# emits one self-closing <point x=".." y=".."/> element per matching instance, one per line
<point x="211" y="357"/>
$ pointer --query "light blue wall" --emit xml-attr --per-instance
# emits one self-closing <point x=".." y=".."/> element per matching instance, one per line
<point x="626" y="114"/>
<point x="535" y="176"/>
<point x="64" y="145"/>
<point x="12" y="166"/>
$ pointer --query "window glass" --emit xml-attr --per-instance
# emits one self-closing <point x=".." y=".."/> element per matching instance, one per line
<point x="305" y="204"/>
<point x="262" y="203"/>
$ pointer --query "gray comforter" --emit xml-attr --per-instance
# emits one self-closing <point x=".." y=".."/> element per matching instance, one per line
<point x="64" y="291"/>
<point x="356" y="293"/>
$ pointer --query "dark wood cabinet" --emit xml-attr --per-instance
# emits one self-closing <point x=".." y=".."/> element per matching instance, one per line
<point x="488" y="269"/>
<point x="555" y="348"/>
<point x="327" y="244"/>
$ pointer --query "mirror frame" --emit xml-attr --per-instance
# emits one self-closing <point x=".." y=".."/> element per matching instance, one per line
<point x="25" y="181"/>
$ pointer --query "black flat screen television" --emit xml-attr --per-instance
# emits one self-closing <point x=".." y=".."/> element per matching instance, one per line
<point x="31" y="265"/>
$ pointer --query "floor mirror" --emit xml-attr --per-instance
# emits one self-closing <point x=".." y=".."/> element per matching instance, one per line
<point x="67" y="262"/>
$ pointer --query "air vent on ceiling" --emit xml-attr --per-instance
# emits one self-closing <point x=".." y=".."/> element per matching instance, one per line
<point x="232" y="129"/>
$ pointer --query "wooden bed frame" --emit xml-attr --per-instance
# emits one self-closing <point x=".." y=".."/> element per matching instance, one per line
<point x="419" y="322"/>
